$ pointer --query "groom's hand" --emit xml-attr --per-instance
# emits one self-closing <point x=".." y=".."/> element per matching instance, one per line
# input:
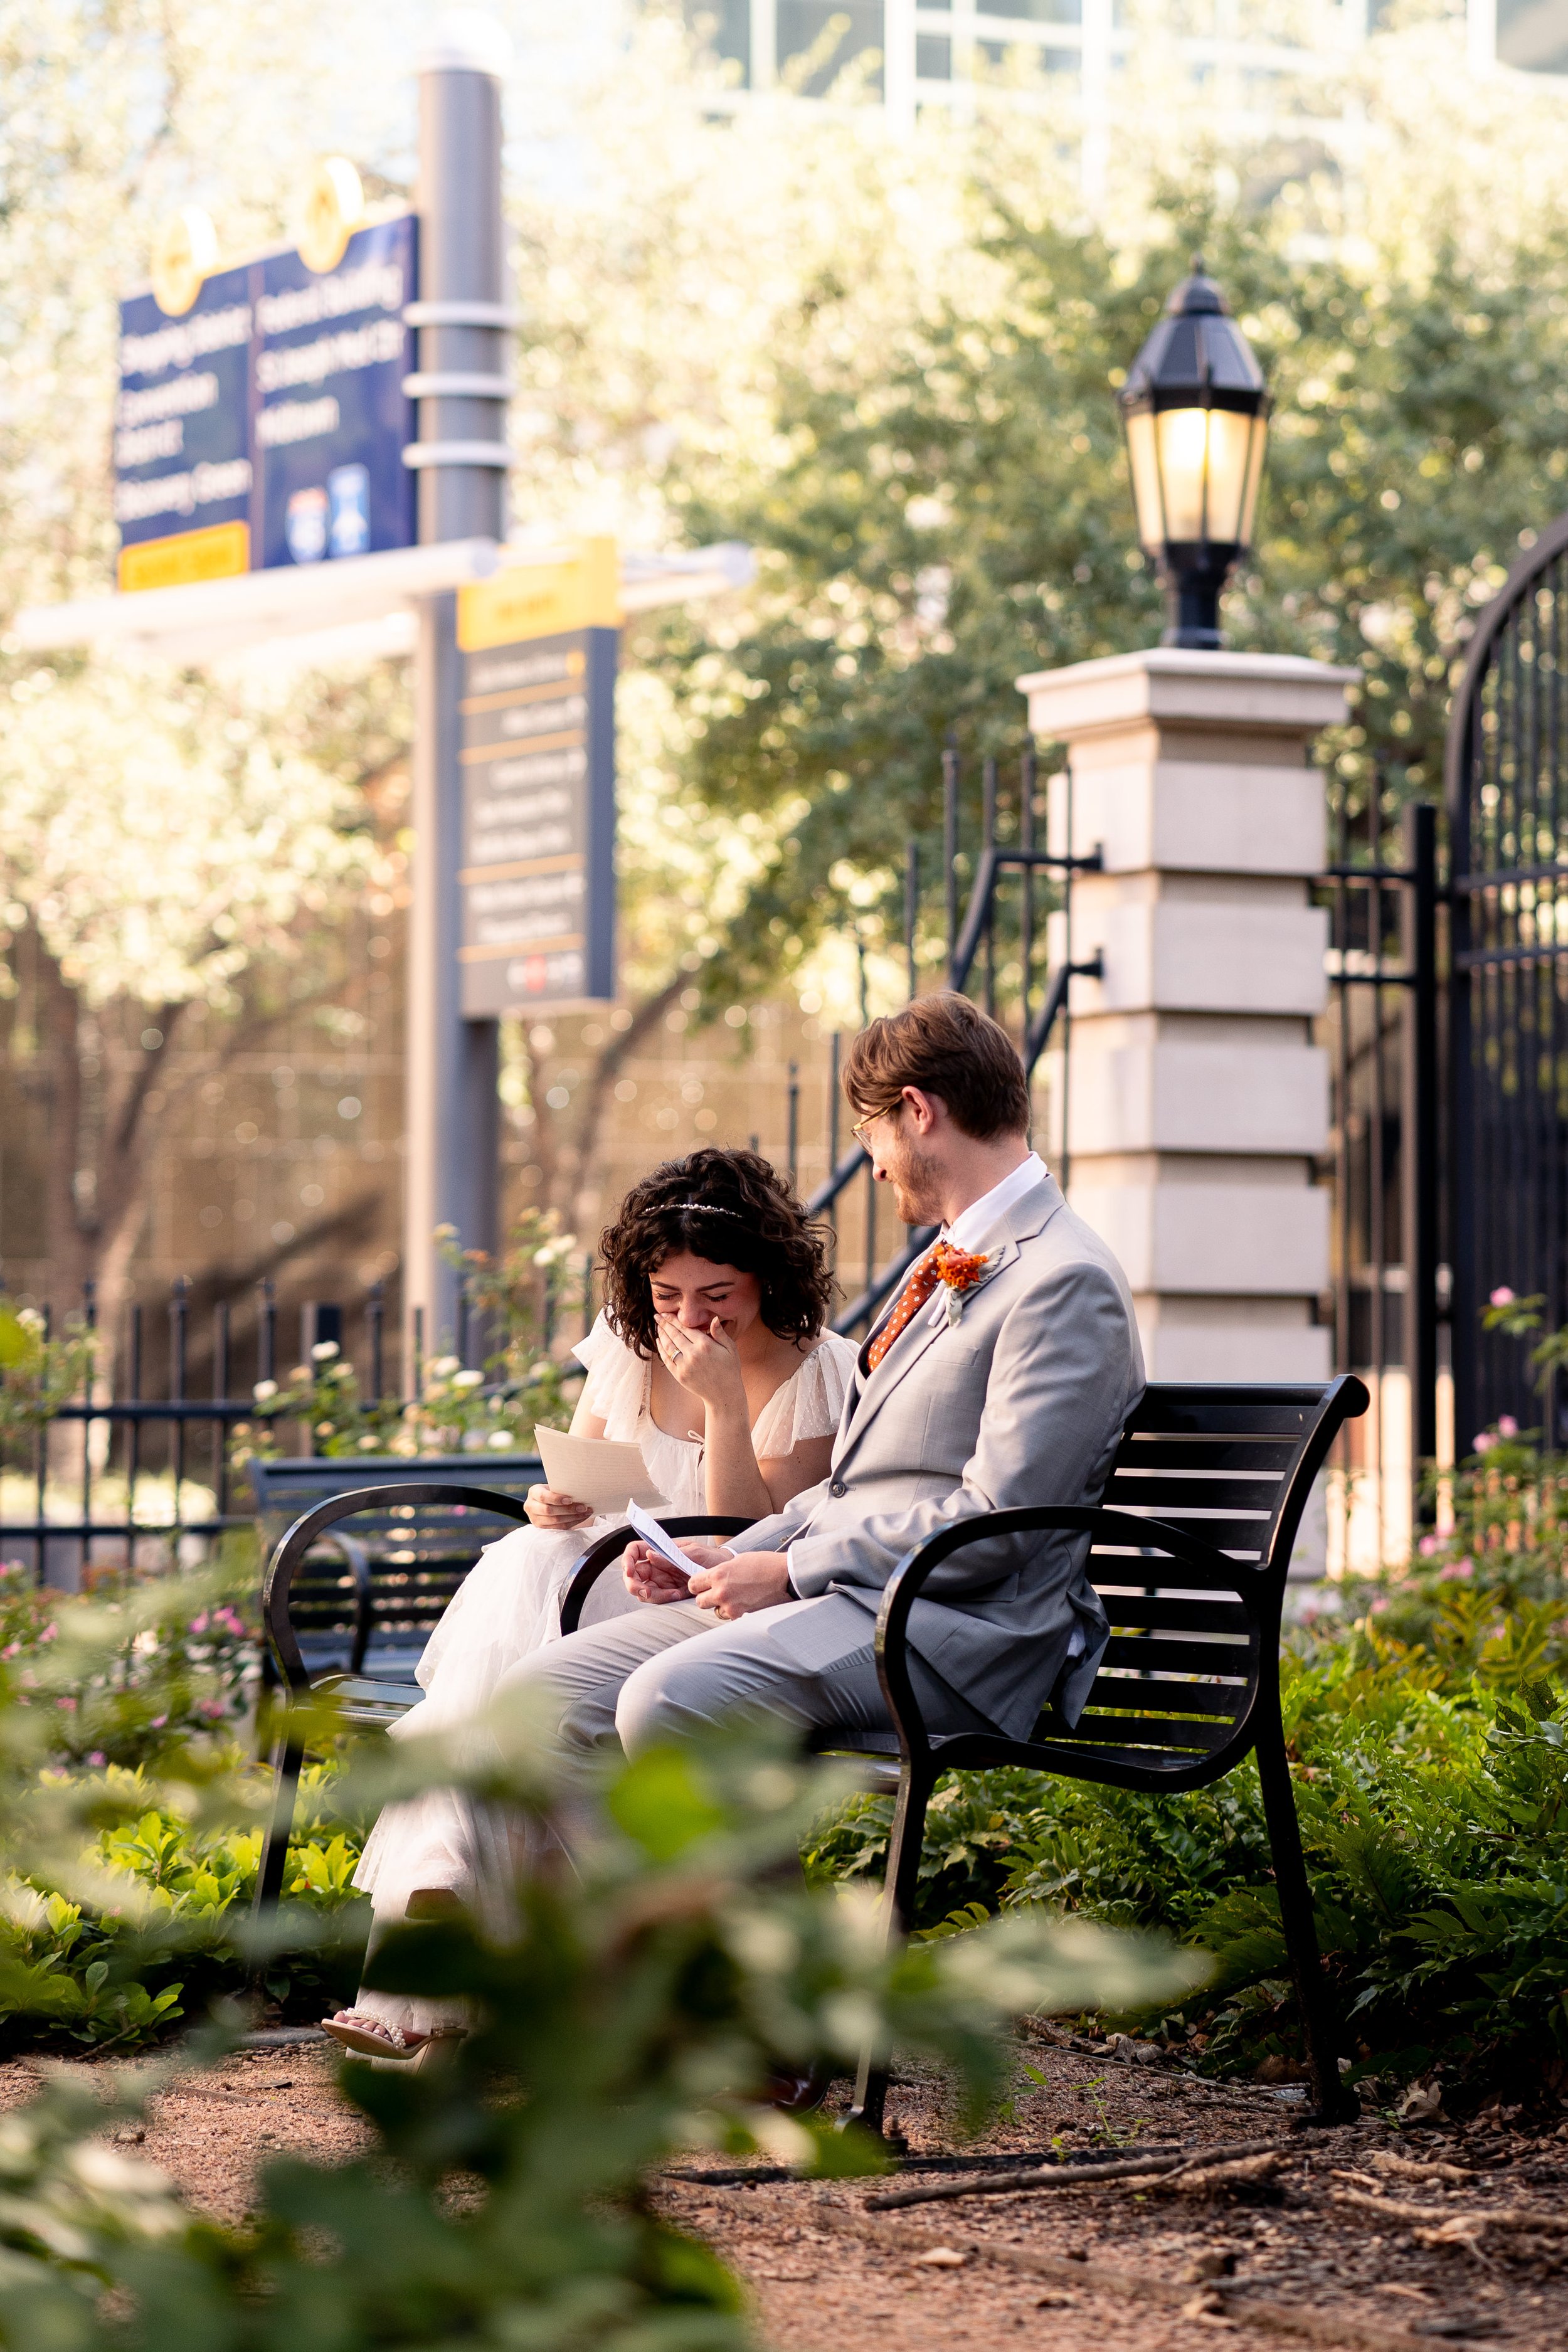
<point x="742" y="1583"/>
<point x="648" y="1575"/>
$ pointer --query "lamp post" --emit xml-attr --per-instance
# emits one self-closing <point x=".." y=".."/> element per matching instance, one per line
<point x="1195" y="411"/>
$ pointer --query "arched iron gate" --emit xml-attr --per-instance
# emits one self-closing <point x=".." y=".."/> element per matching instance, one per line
<point x="1506" y="788"/>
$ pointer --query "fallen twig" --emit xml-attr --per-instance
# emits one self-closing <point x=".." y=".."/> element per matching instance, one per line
<point x="1385" y="2160"/>
<point x="1452" y="2227"/>
<point x="1194" y="2178"/>
<point x="1153" y="2170"/>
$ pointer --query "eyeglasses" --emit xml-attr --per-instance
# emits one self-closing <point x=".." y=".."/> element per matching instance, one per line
<point x="858" y="1129"/>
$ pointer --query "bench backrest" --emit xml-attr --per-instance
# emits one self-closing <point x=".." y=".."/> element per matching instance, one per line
<point x="1232" y="1468"/>
<point x="369" y="1592"/>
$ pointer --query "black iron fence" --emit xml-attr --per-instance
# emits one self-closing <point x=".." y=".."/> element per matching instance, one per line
<point x="1385" y="1304"/>
<point x="998" y="951"/>
<point x="114" y="1477"/>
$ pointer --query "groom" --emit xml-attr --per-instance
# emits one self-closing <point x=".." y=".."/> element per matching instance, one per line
<point x="1001" y="1374"/>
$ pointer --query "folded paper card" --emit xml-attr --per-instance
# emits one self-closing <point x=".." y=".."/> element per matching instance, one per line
<point x="655" y="1537"/>
<point x="597" y="1470"/>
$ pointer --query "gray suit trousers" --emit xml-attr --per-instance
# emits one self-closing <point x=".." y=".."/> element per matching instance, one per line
<point x="664" y="1671"/>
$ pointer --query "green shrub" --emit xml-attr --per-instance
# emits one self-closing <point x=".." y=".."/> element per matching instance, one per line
<point x="1433" y="1819"/>
<point x="634" y="2009"/>
<point x="158" y="1931"/>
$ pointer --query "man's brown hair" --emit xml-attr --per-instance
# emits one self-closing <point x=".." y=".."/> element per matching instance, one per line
<point x="945" y="1046"/>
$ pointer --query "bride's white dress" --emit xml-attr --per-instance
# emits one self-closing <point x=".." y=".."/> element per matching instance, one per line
<point x="509" y="1603"/>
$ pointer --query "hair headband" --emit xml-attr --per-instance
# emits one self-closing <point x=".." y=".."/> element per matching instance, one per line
<point x="701" y="1209"/>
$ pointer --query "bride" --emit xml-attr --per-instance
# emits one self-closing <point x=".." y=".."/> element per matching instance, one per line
<point x="713" y="1358"/>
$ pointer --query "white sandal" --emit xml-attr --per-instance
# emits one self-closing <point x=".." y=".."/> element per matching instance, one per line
<point x="373" y="2039"/>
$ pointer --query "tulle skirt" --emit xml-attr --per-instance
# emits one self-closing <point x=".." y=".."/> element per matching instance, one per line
<point x="507" y="1606"/>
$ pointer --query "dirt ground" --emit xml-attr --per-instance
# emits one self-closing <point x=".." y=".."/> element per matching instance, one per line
<point x="1377" y="2236"/>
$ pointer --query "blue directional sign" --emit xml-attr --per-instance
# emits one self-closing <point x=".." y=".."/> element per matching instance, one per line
<point x="183" y="471"/>
<point x="332" y="421"/>
<point x="266" y="424"/>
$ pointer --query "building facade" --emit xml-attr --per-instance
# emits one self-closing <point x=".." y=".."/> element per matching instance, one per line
<point x="1253" y="72"/>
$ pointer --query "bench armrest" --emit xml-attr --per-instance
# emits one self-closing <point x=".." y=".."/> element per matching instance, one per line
<point x="609" y="1547"/>
<point x="284" y="1565"/>
<point x="904" y="1586"/>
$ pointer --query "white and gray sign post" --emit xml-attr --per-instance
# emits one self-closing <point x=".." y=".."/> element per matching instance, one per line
<point x="462" y="386"/>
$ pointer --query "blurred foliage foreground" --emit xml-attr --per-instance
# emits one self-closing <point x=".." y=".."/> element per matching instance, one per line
<point x="632" y="2006"/>
<point x="636" y="2006"/>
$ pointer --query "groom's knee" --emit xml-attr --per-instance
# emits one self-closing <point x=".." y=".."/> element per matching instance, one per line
<point x="676" y="1694"/>
<point x="682" y="1692"/>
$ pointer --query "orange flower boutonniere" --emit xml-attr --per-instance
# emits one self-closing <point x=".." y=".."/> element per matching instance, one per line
<point x="960" y="1271"/>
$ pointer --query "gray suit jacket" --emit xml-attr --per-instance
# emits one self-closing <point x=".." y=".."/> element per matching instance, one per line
<point x="1022" y="1400"/>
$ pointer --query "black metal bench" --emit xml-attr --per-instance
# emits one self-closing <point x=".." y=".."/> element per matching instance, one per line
<point x="1189" y="1550"/>
<point x="348" y="1615"/>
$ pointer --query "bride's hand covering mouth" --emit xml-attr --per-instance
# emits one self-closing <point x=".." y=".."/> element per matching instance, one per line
<point x="705" y="1363"/>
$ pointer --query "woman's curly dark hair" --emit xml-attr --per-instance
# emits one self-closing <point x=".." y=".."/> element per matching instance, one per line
<point x="731" y="1208"/>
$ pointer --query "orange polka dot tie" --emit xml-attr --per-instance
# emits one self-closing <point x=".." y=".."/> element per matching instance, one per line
<point x="942" y="1262"/>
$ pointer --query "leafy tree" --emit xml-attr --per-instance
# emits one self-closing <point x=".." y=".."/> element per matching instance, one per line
<point x="950" y="515"/>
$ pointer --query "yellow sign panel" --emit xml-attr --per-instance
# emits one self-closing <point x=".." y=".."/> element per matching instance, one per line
<point x="543" y="600"/>
<point x="218" y="552"/>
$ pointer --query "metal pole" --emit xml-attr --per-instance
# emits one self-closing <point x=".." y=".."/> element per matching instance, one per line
<point x="452" y="1115"/>
<point x="834" y="1050"/>
<point x="1377" y="1246"/>
<point x="949" y="850"/>
<point x="988" y="840"/>
<point x="1419" y="1125"/>
<point x="911" y="914"/>
<point x="792" y="1148"/>
<point x="1027" y="905"/>
<point x="1063" y="1168"/>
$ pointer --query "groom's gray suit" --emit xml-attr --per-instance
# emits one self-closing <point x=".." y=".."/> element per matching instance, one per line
<point x="1021" y="1399"/>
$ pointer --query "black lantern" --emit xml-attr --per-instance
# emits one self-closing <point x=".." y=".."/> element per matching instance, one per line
<point x="1197" y="414"/>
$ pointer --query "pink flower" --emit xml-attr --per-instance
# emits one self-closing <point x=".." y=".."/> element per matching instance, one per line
<point x="158" y="1722"/>
<point x="1507" y="1426"/>
<point x="67" y="1705"/>
<point x="1427" y="1547"/>
<point x="98" y="1757"/>
<point x="48" y="1632"/>
<point x="199" y="1624"/>
<point x="1455" y="1570"/>
<point x="1484" y="1443"/>
<point x="1502" y="1296"/>
<point x="11" y="1650"/>
<point x="212" y="1708"/>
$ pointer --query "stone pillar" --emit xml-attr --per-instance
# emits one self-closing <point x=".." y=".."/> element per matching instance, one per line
<point x="1196" y="1099"/>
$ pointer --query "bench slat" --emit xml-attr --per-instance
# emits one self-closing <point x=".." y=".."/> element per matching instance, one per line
<point x="1148" y="1693"/>
<point x="1167" y="1492"/>
<point x="1149" y="1731"/>
<point x="1162" y="1450"/>
<point x="1160" y="1654"/>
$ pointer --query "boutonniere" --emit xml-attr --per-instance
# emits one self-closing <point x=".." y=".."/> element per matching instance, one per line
<point x="960" y="1272"/>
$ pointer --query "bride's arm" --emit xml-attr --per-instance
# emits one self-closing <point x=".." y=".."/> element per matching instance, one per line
<point x="789" y="1475"/>
<point x="735" y="1486"/>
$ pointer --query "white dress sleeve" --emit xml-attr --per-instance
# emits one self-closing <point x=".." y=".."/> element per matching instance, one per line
<point x="809" y="1403"/>
<point x="616" y="1385"/>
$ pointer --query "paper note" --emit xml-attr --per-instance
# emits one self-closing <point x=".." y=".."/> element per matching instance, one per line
<point x="654" y="1536"/>
<point x="595" y="1470"/>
